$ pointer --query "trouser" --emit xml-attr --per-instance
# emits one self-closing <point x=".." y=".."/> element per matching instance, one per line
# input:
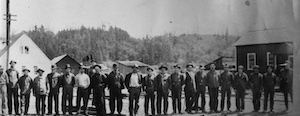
<point x="256" y="99"/>
<point x="12" y="93"/>
<point x="50" y="102"/>
<point x="240" y="99"/>
<point x="99" y="102"/>
<point x="213" y="98"/>
<point x="82" y="93"/>
<point x="176" y="99"/>
<point x="189" y="100"/>
<point x="286" y="95"/>
<point x="40" y="101"/>
<point x="160" y="97"/>
<point x="267" y="93"/>
<point x="134" y="95"/>
<point x="25" y="103"/>
<point x="115" y="95"/>
<point x="3" y="99"/>
<point x="67" y="96"/>
<point x="200" y="93"/>
<point x="225" y="92"/>
<point x="150" y="97"/>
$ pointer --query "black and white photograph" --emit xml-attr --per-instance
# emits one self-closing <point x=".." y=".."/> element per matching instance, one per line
<point x="149" y="57"/>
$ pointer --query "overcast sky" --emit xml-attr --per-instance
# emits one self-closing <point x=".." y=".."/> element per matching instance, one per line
<point x="152" y="17"/>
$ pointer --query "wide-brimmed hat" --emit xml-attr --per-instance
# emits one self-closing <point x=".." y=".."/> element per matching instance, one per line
<point x="240" y="67"/>
<point x="12" y="61"/>
<point x="134" y="66"/>
<point x="163" y="66"/>
<point x="176" y="66"/>
<point x="255" y="67"/>
<point x="25" y="69"/>
<point x="40" y="70"/>
<point x="190" y="64"/>
<point x="97" y="65"/>
<point x="149" y="68"/>
<point x="67" y="66"/>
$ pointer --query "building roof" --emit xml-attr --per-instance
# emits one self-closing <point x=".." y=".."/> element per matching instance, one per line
<point x="268" y="36"/>
<point x="131" y="63"/>
<point x="58" y="58"/>
<point x="13" y="39"/>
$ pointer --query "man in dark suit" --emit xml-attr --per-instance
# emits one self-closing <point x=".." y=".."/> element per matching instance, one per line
<point x="25" y="84"/>
<point x="226" y="81"/>
<point x="213" y="83"/>
<point x="115" y="83"/>
<point x="190" y="88"/>
<point x="240" y="83"/>
<point x="255" y="80"/>
<point x="98" y="84"/>
<point x="149" y="86"/>
<point x="163" y="87"/>
<point x="133" y="82"/>
<point x="54" y="82"/>
<point x="68" y="82"/>
<point x="269" y="81"/>
<point x="12" y="88"/>
<point x="177" y="80"/>
<point x="200" y="89"/>
<point x="286" y="82"/>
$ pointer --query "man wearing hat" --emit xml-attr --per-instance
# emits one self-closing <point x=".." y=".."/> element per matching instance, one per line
<point x="133" y="82"/>
<point x="149" y="85"/>
<point x="255" y="80"/>
<point x="68" y="82"/>
<point x="269" y="81"/>
<point x="91" y="72"/>
<point x="163" y="86"/>
<point x="98" y="84"/>
<point x="286" y="78"/>
<point x="115" y="85"/>
<point x="54" y="82"/>
<point x="25" y="83"/>
<point x="40" y="91"/>
<point x="3" y="91"/>
<point x="240" y="83"/>
<point x="82" y="81"/>
<point x="177" y="80"/>
<point x="213" y="83"/>
<point x="200" y="89"/>
<point x="12" y="88"/>
<point x="226" y="81"/>
<point x="190" y="88"/>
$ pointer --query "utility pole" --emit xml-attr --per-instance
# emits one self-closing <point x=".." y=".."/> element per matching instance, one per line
<point x="8" y="19"/>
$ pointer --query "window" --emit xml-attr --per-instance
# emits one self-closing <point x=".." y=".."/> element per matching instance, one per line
<point x="271" y="59"/>
<point x="26" y="49"/>
<point x="251" y="60"/>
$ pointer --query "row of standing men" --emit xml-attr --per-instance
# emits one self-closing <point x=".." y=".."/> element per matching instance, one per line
<point x="155" y="86"/>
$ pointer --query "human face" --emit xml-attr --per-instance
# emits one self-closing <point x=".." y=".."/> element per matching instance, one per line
<point x="150" y="72"/>
<point x="54" y="70"/>
<point x="269" y="69"/>
<point x="81" y="70"/>
<point x="135" y="69"/>
<point x="40" y="73"/>
<point x="240" y="70"/>
<point x="98" y="70"/>
<point x="256" y="70"/>
<point x="26" y="73"/>
<point x="190" y="68"/>
<point x="68" y="70"/>
<point x="212" y="67"/>
<point x="12" y="65"/>
<point x="177" y="69"/>
<point x="163" y="71"/>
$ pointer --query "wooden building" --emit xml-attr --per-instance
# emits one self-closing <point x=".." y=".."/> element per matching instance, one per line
<point x="126" y="66"/>
<point x="221" y="61"/>
<point x="265" y="47"/>
<point x="62" y="60"/>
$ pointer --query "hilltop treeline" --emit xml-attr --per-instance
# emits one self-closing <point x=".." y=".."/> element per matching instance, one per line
<point x="116" y="44"/>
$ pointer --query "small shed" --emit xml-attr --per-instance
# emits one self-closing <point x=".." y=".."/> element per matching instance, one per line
<point x="125" y="66"/>
<point x="221" y="61"/>
<point x="62" y="60"/>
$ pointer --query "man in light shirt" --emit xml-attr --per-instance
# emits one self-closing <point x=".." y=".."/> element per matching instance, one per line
<point x="3" y="91"/>
<point x="133" y="82"/>
<point x="82" y="82"/>
<point x="40" y="91"/>
<point x="12" y="88"/>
